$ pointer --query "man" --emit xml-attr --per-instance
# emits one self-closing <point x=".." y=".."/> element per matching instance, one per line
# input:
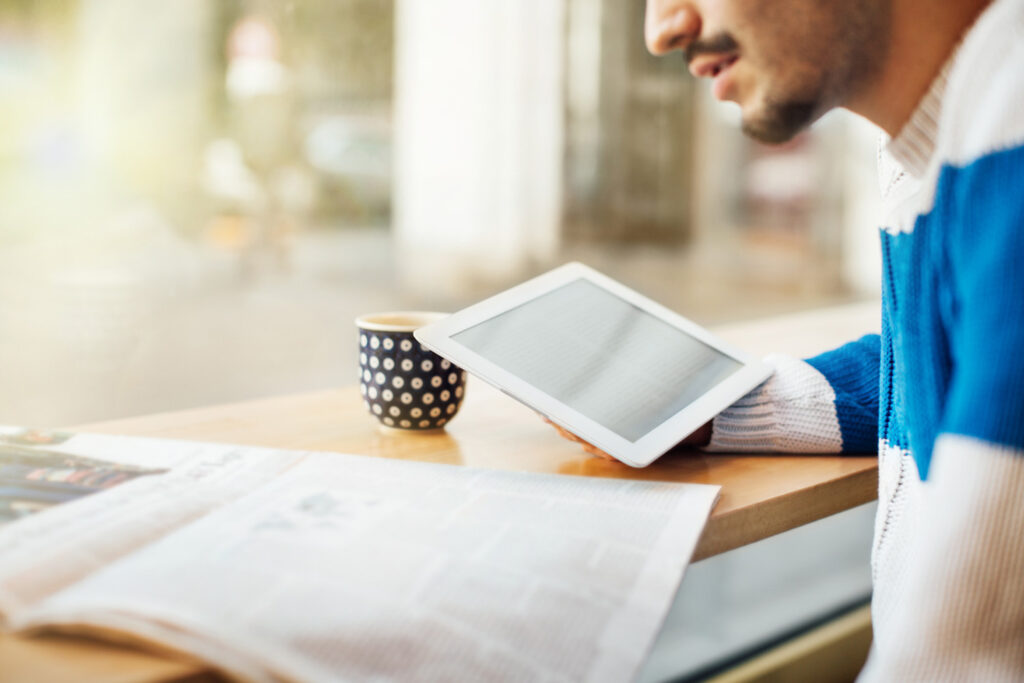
<point x="940" y="392"/>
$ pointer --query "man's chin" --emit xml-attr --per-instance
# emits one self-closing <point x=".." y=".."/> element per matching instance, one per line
<point x="777" y="123"/>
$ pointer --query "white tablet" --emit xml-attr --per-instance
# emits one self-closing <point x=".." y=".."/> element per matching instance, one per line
<point x="604" y="362"/>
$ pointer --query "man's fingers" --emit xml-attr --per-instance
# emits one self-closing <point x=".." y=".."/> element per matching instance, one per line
<point x="567" y="434"/>
<point x="595" y="451"/>
<point x="587" y="446"/>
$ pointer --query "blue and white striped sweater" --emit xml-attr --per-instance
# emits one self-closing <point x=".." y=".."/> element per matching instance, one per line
<point x="940" y="393"/>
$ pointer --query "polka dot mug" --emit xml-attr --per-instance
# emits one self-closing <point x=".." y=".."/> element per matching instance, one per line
<point x="404" y="385"/>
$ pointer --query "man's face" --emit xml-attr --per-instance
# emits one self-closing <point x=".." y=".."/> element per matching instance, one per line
<point x="785" y="62"/>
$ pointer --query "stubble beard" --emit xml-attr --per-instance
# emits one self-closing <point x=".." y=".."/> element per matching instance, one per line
<point x="864" y="47"/>
<point x="780" y="122"/>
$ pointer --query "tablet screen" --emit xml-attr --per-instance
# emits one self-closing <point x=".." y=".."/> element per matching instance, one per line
<point x="602" y="356"/>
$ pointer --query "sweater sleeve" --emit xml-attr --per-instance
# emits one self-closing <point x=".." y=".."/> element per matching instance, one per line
<point x="961" y="616"/>
<point x="826" y="404"/>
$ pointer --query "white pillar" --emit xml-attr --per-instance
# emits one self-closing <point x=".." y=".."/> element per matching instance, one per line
<point x="478" y="138"/>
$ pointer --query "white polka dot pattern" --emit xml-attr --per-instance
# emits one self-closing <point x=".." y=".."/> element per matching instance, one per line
<point x="405" y="385"/>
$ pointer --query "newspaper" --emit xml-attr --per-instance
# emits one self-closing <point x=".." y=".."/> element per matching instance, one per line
<point x="283" y="565"/>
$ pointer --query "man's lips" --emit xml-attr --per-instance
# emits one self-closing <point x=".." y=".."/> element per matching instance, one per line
<point x="717" y="67"/>
<point x="712" y="65"/>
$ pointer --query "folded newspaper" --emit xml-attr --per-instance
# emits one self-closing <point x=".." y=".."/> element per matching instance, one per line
<point x="282" y="565"/>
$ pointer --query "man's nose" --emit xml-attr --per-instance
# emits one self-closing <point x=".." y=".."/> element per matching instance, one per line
<point x="670" y="25"/>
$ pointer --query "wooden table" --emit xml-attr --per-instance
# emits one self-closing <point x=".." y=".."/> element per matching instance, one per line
<point x="761" y="495"/>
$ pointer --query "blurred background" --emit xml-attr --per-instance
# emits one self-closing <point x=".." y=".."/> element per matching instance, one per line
<point x="197" y="197"/>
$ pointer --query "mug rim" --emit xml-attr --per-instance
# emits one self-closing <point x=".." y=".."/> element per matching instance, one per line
<point x="386" y="321"/>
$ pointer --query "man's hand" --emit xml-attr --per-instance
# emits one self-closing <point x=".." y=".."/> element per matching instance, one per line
<point x="701" y="437"/>
<point x="587" y="446"/>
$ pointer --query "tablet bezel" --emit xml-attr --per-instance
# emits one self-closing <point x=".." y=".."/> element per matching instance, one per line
<point x="438" y="337"/>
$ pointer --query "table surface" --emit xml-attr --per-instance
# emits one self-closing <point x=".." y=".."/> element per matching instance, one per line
<point x="761" y="495"/>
